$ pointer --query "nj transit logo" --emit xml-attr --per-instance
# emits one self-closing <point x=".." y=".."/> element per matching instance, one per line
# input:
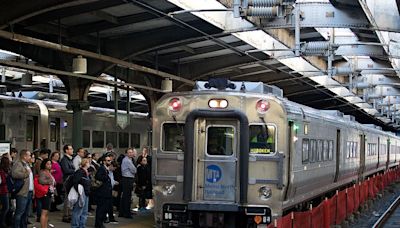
<point x="213" y="173"/>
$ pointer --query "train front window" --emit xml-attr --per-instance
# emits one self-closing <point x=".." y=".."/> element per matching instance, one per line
<point x="173" y="137"/>
<point x="220" y="141"/>
<point x="262" y="139"/>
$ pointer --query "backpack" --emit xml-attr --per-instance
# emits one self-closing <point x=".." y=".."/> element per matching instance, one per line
<point x="41" y="190"/>
<point x="14" y="185"/>
<point x="95" y="184"/>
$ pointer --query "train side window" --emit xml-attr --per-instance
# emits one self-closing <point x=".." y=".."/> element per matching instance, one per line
<point x="370" y="149"/>
<point x="330" y="150"/>
<point x="86" y="138"/>
<point x="111" y="137"/>
<point x="220" y="140"/>
<point x="313" y="150"/>
<point x="262" y="139"/>
<point x="348" y="149"/>
<point x="123" y="140"/>
<point x="355" y="149"/>
<point x="2" y="132"/>
<point x="305" y="151"/>
<point x="135" y="140"/>
<point x="319" y="150"/>
<point x="53" y="131"/>
<point x="98" y="139"/>
<point x="29" y="130"/>
<point x="326" y="150"/>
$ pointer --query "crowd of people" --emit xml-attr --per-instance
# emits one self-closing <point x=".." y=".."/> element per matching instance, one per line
<point x="44" y="180"/>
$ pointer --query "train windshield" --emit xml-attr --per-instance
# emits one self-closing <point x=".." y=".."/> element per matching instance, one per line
<point x="220" y="141"/>
<point x="262" y="139"/>
<point x="173" y="137"/>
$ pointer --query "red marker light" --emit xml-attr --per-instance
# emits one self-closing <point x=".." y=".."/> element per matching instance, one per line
<point x="262" y="106"/>
<point x="175" y="104"/>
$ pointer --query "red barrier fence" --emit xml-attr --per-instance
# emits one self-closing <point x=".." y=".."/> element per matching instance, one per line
<point x="335" y="209"/>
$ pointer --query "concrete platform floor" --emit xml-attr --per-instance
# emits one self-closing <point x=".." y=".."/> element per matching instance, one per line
<point x="141" y="219"/>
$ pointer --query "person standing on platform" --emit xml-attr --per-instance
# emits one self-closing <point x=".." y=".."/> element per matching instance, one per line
<point x="4" y="200"/>
<point x="68" y="169"/>
<point x="110" y="211"/>
<point x="128" y="171"/>
<point x="145" y="154"/>
<point x="78" y="158"/>
<point x="22" y="171"/>
<point x="143" y="183"/>
<point x="58" y="176"/>
<point x="103" y="193"/>
<point x="42" y="154"/>
<point x="81" y="177"/>
<point x="46" y="182"/>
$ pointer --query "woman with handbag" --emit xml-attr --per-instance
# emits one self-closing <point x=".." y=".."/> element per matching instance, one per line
<point x="44" y="184"/>
<point x="80" y="210"/>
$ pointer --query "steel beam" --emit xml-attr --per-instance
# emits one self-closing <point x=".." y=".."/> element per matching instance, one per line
<point x="69" y="74"/>
<point x="76" y="51"/>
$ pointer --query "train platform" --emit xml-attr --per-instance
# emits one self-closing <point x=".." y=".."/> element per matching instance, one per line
<point x="140" y="220"/>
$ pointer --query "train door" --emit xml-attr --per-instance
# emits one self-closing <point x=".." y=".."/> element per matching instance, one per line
<point x="216" y="160"/>
<point x="379" y="151"/>
<point x="54" y="142"/>
<point x="338" y="146"/>
<point x="388" y="153"/>
<point x="31" y="134"/>
<point x="362" y="155"/>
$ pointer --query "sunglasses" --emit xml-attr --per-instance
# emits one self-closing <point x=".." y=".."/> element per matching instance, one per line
<point x="108" y="160"/>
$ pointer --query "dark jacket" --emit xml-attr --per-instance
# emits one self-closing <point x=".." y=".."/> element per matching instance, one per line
<point x="149" y="160"/>
<point x="67" y="167"/>
<point x="143" y="181"/>
<point x="105" y="190"/>
<point x="81" y="177"/>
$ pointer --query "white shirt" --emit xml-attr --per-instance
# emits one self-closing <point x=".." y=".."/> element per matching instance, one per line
<point x="77" y="162"/>
<point x="30" y="179"/>
<point x="111" y="175"/>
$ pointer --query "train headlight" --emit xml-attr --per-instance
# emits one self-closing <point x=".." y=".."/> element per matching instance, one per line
<point x="168" y="190"/>
<point x="262" y="106"/>
<point x="174" y="105"/>
<point x="265" y="192"/>
<point x="218" y="103"/>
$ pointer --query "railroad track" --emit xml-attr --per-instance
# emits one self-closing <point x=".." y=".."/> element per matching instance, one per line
<point x="393" y="209"/>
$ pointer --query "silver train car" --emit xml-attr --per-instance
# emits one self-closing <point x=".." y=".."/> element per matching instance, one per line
<point x="237" y="154"/>
<point x="31" y="124"/>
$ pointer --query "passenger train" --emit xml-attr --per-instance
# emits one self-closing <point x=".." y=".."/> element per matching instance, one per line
<point x="31" y="124"/>
<point x="228" y="152"/>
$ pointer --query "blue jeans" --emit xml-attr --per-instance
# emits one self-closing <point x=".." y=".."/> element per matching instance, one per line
<point x="80" y="214"/>
<point x="5" y="204"/>
<point x="22" y="210"/>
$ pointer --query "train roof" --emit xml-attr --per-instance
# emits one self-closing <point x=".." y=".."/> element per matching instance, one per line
<point x="330" y="115"/>
<point x="290" y="106"/>
<point x="62" y="107"/>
